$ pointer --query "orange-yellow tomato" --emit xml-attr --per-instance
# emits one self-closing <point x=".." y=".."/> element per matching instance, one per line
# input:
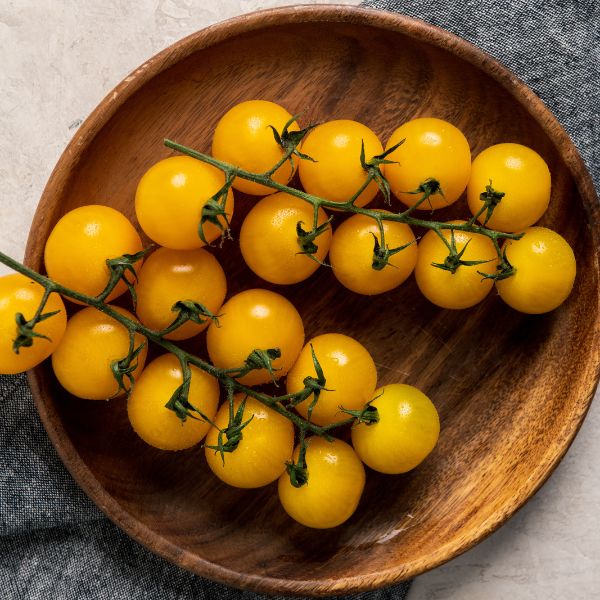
<point x="256" y="320"/>
<point x="524" y="178"/>
<point x="350" y="376"/>
<point x="170" y="198"/>
<point x="91" y="343"/>
<point x="407" y="430"/>
<point x="19" y="294"/>
<point x="158" y="425"/>
<point x="169" y="276"/>
<point x="80" y="243"/>
<point x="261" y="455"/>
<point x="466" y="286"/>
<point x="336" y="479"/>
<point x="352" y="255"/>
<point x="337" y="173"/>
<point x="545" y="271"/>
<point x="269" y="240"/>
<point x="243" y="138"/>
<point x="433" y="149"/>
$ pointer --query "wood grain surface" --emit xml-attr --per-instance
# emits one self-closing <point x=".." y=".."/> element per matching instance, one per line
<point x="512" y="390"/>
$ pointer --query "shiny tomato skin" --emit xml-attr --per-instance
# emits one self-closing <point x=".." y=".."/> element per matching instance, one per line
<point x="92" y="341"/>
<point x="433" y="149"/>
<point x="545" y="270"/>
<point x="337" y="173"/>
<point x="407" y="431"/>
<point x="351" y="255"/>
<point x="19" y="294"/>
<point x="266" y="446"/>
<point x="169" y="200"/>
<point x="80" y="243"/>
<point x="256" y="319"/>
<point x="243" y="138"/>
<point x="154" y="422"/>
<point x="350" y="376"/>
<point x="336" y="479"/>
<point x="172" y="275"/>
<point x="524" y="178"/>
<point x="464" y="288"/>
<point x="269" y="241"/>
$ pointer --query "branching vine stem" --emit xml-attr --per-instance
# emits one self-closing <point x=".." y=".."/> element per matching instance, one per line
<point x="379" y="216"/>
<point x="185" y="358"/>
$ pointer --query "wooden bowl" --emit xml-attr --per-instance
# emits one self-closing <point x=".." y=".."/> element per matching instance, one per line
<point x="512" y="390"/>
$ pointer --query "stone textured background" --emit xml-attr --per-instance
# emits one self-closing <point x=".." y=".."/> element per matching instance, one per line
<point x="58" y="58"/>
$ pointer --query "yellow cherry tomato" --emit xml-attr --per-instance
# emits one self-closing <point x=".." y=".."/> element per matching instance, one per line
<point x="92" y="341"/>
<point x="433" y="149"/>
<point x="19" y="294"/>
<point x="338" y="174"/>
<point x="260" y="457"/>
<point x="336" y="479"/>
<point x="352" y="255"/>
<point x="169" y="200"/>
<point x="256" y="320"/>
<point x="524" y="178"/>
<point x="169" y="276"/>
<point x="466" y="286"/>
<point x="350" y="376"/>
<point x="407" y="430"/>
<point x="545" y="271"/>
<point x="80" y="243"/>
<point x="244" y="138"/>
<point x="158" y="425"/>
<point x="269" y="240"/>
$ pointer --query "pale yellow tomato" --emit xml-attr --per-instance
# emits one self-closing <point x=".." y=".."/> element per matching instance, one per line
<point x="407" y="430"/>
<point x="545" y="270"/>
<point x="336" y="479"/>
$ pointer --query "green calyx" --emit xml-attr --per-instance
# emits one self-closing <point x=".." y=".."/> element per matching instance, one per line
<point x="455" y="258"/>
<point x="119" y="269"/>
<point x="490" y="198"/>
<point x="306" y="239"/>
<point x="26" y="330"/>
<point x="373" y="169"/>
<point x="229" y="438"/>
<point x="125" y="367"/>
<point x="382" y="254"/>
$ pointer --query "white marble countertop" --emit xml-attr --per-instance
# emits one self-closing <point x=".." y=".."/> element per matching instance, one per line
<point x="58" y="58"/>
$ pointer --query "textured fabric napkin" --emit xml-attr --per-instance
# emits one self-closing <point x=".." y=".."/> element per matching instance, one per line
<point x="54" y="543"/>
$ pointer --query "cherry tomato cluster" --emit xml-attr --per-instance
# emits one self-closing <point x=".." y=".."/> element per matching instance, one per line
<point x="508" y="189"/>
<point x="180" y="290"/>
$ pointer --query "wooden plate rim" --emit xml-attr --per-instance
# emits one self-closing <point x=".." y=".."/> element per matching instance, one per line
<point x="209" y="36"/>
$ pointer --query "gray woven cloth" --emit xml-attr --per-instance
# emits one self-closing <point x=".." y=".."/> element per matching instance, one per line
<point x="54" y="543"/>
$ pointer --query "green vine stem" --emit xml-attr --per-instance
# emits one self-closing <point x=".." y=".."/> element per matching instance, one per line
<point x="185" y="358"/>
<point x="427" y="189"/>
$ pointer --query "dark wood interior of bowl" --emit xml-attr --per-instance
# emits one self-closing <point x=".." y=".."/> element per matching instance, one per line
<point x="511" y="389"/>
